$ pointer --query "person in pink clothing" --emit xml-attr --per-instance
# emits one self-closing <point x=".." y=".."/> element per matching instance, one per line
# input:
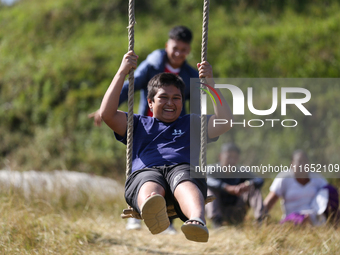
<point x="306" y="196"/>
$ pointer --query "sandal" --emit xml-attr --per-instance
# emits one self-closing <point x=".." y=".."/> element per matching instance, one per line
<point x="195" y="232"/>
<point x="154" y="214"/>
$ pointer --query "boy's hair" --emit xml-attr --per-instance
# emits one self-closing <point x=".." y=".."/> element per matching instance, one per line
<point x="227" y="147"/>
<point x="162" y="80"/>
<point x="181" y="33"/>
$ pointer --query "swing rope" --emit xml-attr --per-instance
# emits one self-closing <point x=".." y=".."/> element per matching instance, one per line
<point x="129" y="148"/>
<point x="130" y="212"/>
<point x="204" y="51"/>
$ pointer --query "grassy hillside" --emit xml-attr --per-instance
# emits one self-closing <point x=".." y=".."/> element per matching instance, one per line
<point x="42" y="227"/>
<point x="58" y="57"/>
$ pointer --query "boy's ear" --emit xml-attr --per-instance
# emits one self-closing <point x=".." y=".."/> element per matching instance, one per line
<point x="150" y="103"/>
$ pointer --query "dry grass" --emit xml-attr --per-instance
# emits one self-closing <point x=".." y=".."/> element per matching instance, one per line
<point x="39" y="227"/>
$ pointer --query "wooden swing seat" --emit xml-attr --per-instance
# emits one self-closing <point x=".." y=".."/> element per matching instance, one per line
<point x="131" y="213"/>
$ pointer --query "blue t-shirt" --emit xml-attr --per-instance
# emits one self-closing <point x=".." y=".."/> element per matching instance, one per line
<point x="156" y="143"/>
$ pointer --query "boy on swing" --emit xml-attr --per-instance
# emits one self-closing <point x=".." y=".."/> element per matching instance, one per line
<point x="161" y="150"/>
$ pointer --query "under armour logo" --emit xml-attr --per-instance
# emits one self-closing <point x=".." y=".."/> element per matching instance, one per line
<point x="177" y="132"/>
<point x="177" y="178"/>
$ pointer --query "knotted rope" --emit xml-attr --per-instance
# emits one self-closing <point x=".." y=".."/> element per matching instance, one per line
<point x="204" y="50"/>
<point x="130" y="212"/>
<point x="131" y="86"/>
<point x="131" y="90"/>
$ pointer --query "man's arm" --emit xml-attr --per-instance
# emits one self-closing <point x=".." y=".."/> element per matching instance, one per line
<point x="215" y="183"/>
<point x="270" y="201"/>
<point x="97" y="120"/>
<point x="252" y="179"/>
<point x="140" y="82"/>
<point x="258" y="182"/>
<point x="109" y="113"/>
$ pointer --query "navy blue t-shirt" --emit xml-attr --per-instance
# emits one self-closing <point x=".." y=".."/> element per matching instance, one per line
<point x="156" y="143"/>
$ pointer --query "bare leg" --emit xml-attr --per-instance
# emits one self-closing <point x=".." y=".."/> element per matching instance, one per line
<point x="190" y="200"/>
<point x="147" y="190"/>
<point x="152" y="206"/>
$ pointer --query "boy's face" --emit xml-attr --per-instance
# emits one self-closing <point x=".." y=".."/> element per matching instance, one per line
<point x="167" y="104"/>
<point x="177" y="52"/>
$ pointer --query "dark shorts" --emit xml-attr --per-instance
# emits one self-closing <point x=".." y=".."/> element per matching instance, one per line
<point x="168" y="177"/>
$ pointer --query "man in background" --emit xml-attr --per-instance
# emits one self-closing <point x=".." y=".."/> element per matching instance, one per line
<point x="234" y="195"/>
<point x="172" y="59"/>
